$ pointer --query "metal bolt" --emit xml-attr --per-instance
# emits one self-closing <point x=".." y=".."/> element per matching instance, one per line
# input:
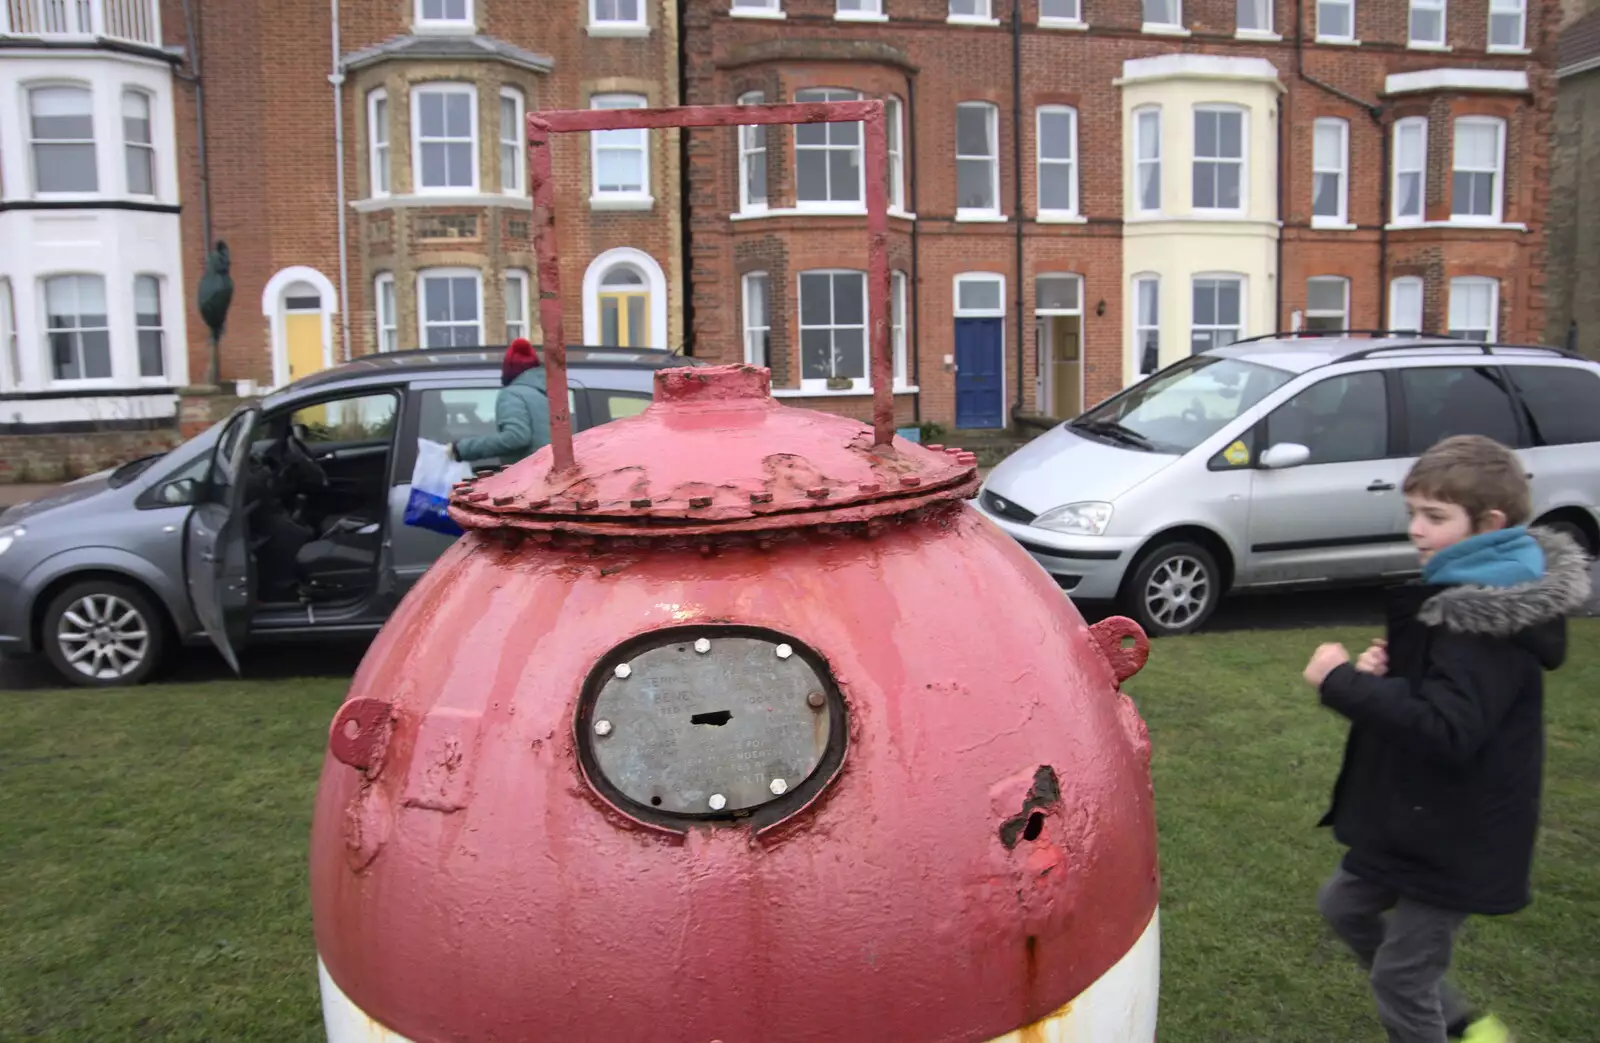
<point x="602" y="728"/>
<point x="784" y="651"/>
<point x="703" y="645"/>
<point x="868" y="488"/>
<point x="818" y="493"/>
<point x="815" y="700"/>
<point x="502" y="501"/>
<point x="643" y="501"/>
<point x="911" y="481"/>
<point x="760" y="497"/>
<point x="966" y="459"/>
<point x="936" y="447"/>
<point x="699" y="501"/>
<point x="778" y="787"/>
<point x="718" y="802"/>
<point x="588" y="505"/>
<point x="624" y="670"/>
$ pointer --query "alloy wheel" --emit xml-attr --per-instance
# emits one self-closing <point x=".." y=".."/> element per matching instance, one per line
<point x="103" y="637"/>
<point x="1178" y="591"/>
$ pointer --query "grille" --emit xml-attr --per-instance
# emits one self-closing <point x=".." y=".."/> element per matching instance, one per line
<point x="1003" y="508"/>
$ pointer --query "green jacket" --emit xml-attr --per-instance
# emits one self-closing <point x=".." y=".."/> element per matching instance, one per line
<point x="521" y="420"/>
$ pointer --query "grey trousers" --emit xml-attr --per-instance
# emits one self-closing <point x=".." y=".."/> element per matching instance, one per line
<point x="1405" y="946"/>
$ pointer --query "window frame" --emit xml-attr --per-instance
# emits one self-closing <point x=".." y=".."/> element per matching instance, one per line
<point x="1343" y="314"/>
<point x="1488" y="369"/>
<point x="520" y="294"/>
<point x="991" y="113"/>
<point x="1420" y="124"/>
<point x="1474" y="282"/>
<point x="1409" y="282"/>
<point x="746" y="133"/>
<point x="894" y="128"/>
<point x="831" y="205"/>
<point x="1073" y="21"/>
<point x="1439" y="7"/>
<point x="33" y="143"/>
<point x="159" y="329"/>
<point x="985" y="18"/>
<point x="1349" y="7"/>
<point x="621" y="293"/>
<point x="1243" y="327"/>
<point x="899" y="332"/>
<point x="1496" y="214"/>
<point x="1243" y="162"/>
<point x="380" y="154"/>
<point x="756" y="8"/>
<point x="10" y="346"/>
<point x="641" y="198"/>
<point x="640" y="21"/>
<point x="1071" y="163"/>
<point x="1502" y="8"/>
<point x="747" y="282"/>
<point x="960" y="311"/>
<point x="446" y="272"/>
<point x="44" y="280"/>
<point x="148" y="148"/>
<point x="1139" y="325"/>
<point x="1176" y="9"/>
<point x="1139" y="160"/>
<point x="873" y="13"/>
<point x="1257" y="31"/>
<point x="819" y="385"/>
<point x="518" y="185"/>
<point x="385" y="316"/>
<point x="418" y="141"/>
<point x="1342" y="217"/>
<point x="423" y="24"/>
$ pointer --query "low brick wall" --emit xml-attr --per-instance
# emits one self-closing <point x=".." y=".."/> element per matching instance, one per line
<point x="61" y="458"/>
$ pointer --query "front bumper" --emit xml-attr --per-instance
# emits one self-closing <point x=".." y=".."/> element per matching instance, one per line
<point x="1119" y="1007"/>
<point x="1089" y="568"/>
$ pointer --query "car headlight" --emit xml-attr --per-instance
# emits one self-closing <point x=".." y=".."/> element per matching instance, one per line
<point x="1076" y="519"/>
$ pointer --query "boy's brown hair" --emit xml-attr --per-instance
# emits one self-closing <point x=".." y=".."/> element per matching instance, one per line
<point x="1476" y="473"/>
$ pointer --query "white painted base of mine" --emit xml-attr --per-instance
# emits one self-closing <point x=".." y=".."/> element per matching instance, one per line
<point x="1120" y="1007"/>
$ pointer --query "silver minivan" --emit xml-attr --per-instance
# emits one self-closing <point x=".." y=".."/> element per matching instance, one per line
<point x="283" y="522"/>
<point x="1277" y="462"/>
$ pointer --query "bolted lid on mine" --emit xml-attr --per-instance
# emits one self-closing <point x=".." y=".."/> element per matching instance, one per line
<point x="716" y="453"/>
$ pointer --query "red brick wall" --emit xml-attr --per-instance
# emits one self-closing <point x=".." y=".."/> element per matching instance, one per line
<point x="934" y="66"/>
<point x="270" y="138"/>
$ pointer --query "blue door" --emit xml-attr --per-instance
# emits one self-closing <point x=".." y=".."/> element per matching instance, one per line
<point x="980" y="384"/>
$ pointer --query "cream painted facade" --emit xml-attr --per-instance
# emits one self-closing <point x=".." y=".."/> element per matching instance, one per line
<point x="1177" y="242"/>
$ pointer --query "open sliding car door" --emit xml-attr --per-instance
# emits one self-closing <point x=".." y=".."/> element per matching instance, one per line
<point x="218" y="563"/>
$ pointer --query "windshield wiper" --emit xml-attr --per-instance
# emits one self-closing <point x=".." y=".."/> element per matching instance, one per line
<point x="1116" y="431"/>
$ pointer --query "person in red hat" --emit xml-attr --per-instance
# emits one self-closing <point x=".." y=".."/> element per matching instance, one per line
<point x="521" y="411"/>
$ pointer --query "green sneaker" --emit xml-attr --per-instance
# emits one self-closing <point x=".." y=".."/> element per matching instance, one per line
<point x="1488" y="1029"/>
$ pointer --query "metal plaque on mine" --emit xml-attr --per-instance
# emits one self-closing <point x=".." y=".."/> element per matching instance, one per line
<point x="706" y="725"/>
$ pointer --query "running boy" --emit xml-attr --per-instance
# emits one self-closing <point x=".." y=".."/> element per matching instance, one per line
<point x="1438" y="797"/>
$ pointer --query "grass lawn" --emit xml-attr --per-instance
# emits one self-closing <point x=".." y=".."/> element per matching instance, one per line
<point x="152" y="853"/>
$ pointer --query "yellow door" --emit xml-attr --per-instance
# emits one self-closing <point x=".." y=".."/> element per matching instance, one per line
<point x="302" y="333"/>
<point x="623" y="322"/>
<point x="1066" y="390"/>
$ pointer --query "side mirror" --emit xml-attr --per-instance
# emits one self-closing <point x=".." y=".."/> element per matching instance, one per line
<point x="1283" y="455"/>
<point x="178" y="493"/>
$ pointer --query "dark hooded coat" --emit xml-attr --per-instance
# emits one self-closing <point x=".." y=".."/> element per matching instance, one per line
<point x="1438" y="796"/>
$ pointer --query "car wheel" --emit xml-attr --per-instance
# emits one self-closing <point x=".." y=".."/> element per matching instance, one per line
<point x="101" y="633"/>
<point x="1174" y="589"/>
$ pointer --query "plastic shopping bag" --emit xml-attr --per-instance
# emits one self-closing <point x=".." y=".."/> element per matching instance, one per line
<point x="431" y="479"/>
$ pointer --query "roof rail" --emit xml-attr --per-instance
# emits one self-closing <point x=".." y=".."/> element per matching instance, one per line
<point x="1321" y="334"/>
<point x="1482" y="347"/>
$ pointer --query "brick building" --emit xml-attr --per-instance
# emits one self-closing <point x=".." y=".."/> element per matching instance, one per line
<point x="370" y="179"/>
<point x="1083" y="185"/>
<point x="1574" y="313"/>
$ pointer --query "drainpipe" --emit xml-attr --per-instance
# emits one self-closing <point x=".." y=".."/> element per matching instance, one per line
<point x="1283" y="207"/>
<point x="337" y="79"/>
<point x="200" y="122"/>
<point x="1016" y="174"/>
<point x="1374" y="111"/>
<point x="914" y="305"/>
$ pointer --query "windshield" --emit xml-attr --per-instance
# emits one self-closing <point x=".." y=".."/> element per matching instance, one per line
<point x="1180" y="407"/>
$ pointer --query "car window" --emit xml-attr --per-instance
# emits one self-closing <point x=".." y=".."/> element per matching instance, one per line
<point x="1442" y="401"/>
<point x="1339" y="419"/>
<point x="1562" y="403"/>
<point x="1182" y="406"/>
<point x="227" y="459"/>
<point x="178" y="489"/>
<point x="450" y="414"/>
<point x="615" y="405"/>
<point x="364" y="418"/>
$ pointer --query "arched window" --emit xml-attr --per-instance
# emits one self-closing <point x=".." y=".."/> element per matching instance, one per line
<point x="624" y="308"/>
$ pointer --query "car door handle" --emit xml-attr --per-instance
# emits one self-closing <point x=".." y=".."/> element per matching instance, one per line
<point x="1380" y="487"/>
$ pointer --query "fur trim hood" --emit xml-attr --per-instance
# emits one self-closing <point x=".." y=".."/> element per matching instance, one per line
<point x="1504" y="611"/>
